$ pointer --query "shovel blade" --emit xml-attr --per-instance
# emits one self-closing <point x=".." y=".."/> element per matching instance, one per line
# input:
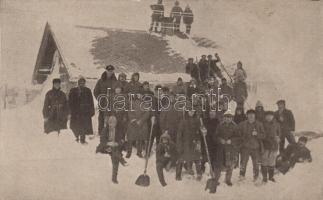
<point x="143" y="180"/>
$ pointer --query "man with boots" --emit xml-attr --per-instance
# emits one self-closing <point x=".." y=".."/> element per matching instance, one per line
<point x="176" y="15"/>
<point x="103" y="91"/>
<point x="286" y="121"/>
<point x="252" y="134"/>
<point x="82" y="110"/>
<point x="271" y="141"/>
<point x="227" y="139"/>
<point x="165" y="156"/>
<point x="157" y="15"/>
<point x="188" y="18"/>
<point x="188" y="144"/>
<point x="55" y="109"/>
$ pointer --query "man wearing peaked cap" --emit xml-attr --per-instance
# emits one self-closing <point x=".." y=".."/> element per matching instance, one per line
<point x="286" y="121"/>
<point x="104" y="88"/>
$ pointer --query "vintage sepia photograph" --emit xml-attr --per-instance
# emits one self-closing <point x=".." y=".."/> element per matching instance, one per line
<point x="161" y="99"/>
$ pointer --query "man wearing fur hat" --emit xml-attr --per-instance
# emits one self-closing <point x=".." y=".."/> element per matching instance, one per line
<point x="55" y="109"/>
<point x="260" y="112"/>
<point x="82" y="110"/>
<point x="227" y="139"/>
<point x="286" y="120"/>
<point x="103" y="92"/>
<point x="252" y="134"/>
<point x="165" y="156"/>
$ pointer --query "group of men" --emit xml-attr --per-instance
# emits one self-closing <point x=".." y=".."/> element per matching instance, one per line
<point x="178" y="133"/>
<point x="172" y="22"/>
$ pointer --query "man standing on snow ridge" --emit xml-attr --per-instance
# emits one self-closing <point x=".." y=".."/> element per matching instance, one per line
<point x="158" y="14"/>
<point x="176" y="15"/>
<point x="286" y="120"/>
<point x="188" y="18"/>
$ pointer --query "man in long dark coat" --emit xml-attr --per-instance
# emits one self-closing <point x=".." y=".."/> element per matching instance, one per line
<point x="82" y="110"/>
<point x="103" y="91"/>
<point x="55" y="109"/>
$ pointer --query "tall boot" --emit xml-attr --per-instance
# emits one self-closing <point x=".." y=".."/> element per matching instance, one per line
<point x="139" y="148"/>
<point x="179" y="167"/>
<point x="264" y="171"/>
<point x="115" y="166"/>
<point x="160" y="173"/>
<point x="129" y="149"/>
<point x="256" y="172"/>
<point x="271" y="171"/>
<point x="228" y="176"/>
<point x="198" y="166"/>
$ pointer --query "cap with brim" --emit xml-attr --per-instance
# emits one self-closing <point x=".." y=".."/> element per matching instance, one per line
<point x="251" y="112"/>
<point x="56" y="80"/>
<point x="281" y="101"/>
<point x="109" y="67"/>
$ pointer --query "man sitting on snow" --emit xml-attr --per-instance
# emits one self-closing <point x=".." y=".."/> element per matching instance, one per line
<point x="294" y="153"/>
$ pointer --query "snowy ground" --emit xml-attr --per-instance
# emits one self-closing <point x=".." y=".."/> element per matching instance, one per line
<point x="278" y="41"/>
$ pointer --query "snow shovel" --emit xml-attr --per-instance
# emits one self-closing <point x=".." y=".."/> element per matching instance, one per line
<point x="144" y="180"/>
<point x="211" y="183"/>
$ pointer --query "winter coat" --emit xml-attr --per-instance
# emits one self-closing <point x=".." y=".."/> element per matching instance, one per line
<point x="179" y="89"/>
<point x="226" y="90"/>
<point x="240" y="75"/>
<point x="225" y="154"/>
<point x="188" y="16"/>
<point x="137" y="131"/>
<point x="106" y="139"/>
<point x="82" y="110"/>
<point x="188" y="141"/>
<point x="239" y="118"/>
<point x="260" y="115"/>
<point x="214" y="70"/>
<point x="104" y="86"/>
<point x="176" y="13"/>
<point x="193" y="70"/>
<point x="272" y="133"/>
<point x="134" y="86"/>
<point x="124" y="86"/>
<point x="55" y="111"/>
<point x="204" y="70"/>
<point x="165" y="152"/>
<point x="169" y="120"/>
<point x="211" y="126"/>
<point x="248" y="140"/>
<point x="240" y="92"/>
<point x="294" y="152"/>
<point x="158" y="12"/>
<point x="286" y="121"/>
